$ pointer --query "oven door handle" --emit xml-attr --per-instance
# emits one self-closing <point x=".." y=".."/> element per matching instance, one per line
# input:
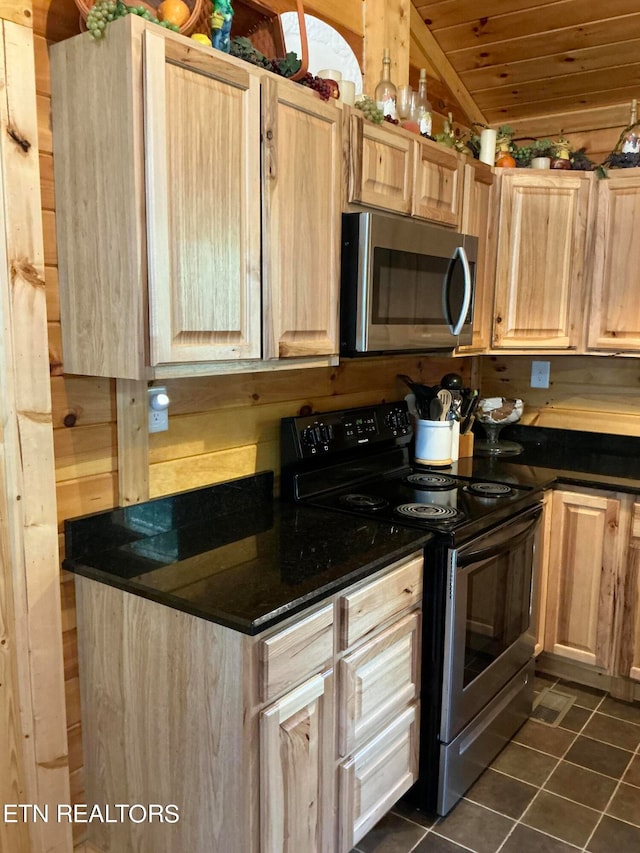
<point x="470" y="557"/>
<point x="459" y="256"/>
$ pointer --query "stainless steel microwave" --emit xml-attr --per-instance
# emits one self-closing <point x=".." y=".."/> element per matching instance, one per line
<point x="406" y="285"/>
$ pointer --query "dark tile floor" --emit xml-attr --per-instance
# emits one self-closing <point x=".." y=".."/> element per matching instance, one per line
<point x="551" y="790"/>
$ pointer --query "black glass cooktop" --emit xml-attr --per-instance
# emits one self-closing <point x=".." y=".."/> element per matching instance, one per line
<point x="433" y="500"/>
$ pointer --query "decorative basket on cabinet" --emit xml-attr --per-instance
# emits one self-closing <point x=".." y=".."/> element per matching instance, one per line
<point x="189" y="26"/>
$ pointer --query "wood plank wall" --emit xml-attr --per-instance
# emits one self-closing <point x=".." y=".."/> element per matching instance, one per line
<point x="592" y="393"/>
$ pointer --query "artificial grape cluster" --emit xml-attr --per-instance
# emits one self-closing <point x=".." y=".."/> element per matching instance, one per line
<point x="105" y="11"/>
<point x="100" y="14"/>
<point x="370" y="109"/>
<point x="323" y="87"/>
<point x="391" y="120"/>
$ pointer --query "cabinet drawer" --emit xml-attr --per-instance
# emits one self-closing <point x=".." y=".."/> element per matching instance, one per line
<point x="376" y="777"/>
<point x="377" y="681"/>
<point x="295" y="653"/>
<point x="375" y="603"/>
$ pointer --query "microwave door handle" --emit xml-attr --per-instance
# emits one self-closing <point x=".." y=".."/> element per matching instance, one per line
<point x="461" y="256"/>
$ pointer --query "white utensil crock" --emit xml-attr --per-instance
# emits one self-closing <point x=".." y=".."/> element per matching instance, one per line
<point x="433" y="442"/>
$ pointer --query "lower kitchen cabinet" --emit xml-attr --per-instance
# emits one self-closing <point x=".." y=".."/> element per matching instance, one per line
<point x="584" y="564"/>
<point x="296" y="740"/>
<point x="296" y="745"/>
<point x="588" y="603"/>
<point x="376" y="777"/>
<point x="628" y="663"/>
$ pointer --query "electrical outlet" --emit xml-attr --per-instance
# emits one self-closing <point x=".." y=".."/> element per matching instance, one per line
<point x="540" y="373"/>
<point x="158" y="409"/>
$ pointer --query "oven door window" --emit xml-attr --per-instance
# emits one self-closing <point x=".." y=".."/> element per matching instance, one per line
<point x="498" y="607"/>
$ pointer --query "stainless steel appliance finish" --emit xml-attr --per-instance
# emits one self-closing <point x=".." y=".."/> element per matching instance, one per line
<point x="406" y="285"/>
<point x="464" y="758"/>
<point x="477" y="643"/>
<point x="488" y="636"/>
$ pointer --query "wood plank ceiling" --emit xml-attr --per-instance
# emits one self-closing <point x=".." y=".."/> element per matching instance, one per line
<point x="567" y="66"/>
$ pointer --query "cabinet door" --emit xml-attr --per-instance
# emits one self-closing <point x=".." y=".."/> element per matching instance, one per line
<point x="302" y="170"/>
<point x="614" y="322"/>
<point x="381" y="167"/>
<point x="377" y="681"/>
<point x="583" y="566"/>
<point x="437" y="183"/>
<point x="540" y="265"/>
<point x="541" y="574"/>
<point x="479" y="220"/>
<point x="629" y="655"/>
<point x="296" y="790"/>
<point x="376" y="777"/>
<point x="202" y="145"/>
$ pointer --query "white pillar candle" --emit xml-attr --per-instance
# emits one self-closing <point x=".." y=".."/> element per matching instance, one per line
<point x="488" y="146"/>
<point x="347" y="92"/>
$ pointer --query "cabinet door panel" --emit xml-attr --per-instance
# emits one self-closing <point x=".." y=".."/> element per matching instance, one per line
<point x="203" y="209"/>
<point x="479" y="219"/>
<point x="377" y="681"/>
<point x="437" y="187"/>
<point x="615" y="298"/>
<point x="376" y="777"/>
<point x="582" y="574"/>
<point x="376" y="602"/>
<point x="295" y="739"/>
<point x="381" y="167"/>
<point x="540" y="266"/>
<point x="629" y="654"/>
<point x="301" y="222"/>
<point x="296" y="652"/>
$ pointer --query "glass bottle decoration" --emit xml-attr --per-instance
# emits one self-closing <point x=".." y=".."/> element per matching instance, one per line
<point x="630" y="143"/>
<point x="421" y="107"/>
<point x="385" y="94"/>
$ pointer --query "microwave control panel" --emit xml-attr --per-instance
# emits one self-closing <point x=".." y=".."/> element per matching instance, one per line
<point x="333" y="432"/>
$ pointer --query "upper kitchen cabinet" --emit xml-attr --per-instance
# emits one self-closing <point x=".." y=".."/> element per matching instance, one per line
<point x="437" y="183"/>
<point x="167" y="218"/>
<point x="380" y="166"/>
<point x="541" y="259"/>
<point x="478" y="219"/>
<point x="302" y="171"/>
<point x="395" y="170"/>
<point x="614" y="321"/>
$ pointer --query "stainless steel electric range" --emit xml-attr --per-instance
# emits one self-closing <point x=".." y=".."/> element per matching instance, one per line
<point x="478" y="641"/>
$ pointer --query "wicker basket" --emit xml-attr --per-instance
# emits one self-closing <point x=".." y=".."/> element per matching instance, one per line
<point x="262" y="26"/>
<point x="195" y="7"/>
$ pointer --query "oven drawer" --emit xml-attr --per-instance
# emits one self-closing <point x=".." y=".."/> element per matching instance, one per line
<point x="291" y="655"/>
<point x="377" y="681"/>
<point x="365" y="609"/>
<point x="464" y="759"/>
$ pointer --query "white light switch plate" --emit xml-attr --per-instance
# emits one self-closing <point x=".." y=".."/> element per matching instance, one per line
<point x="540" y="373"/>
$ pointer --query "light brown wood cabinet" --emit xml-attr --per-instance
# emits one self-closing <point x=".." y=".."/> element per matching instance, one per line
<point x="614" y="321"/>
<point x="164" y="270"/>
<point x="540" y="270"/>
<point x="395" y="170"/>
<point x="284" y="742"/>
<point x="628" y="662"/>
<point x="479" y="209"/>
<point x="586" y="559"/>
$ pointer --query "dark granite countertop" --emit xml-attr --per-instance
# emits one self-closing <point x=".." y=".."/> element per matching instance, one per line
<point x="231" y="554"/>
<point x="571" y="457"/>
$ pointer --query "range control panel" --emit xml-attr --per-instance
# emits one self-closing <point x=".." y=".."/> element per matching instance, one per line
<point x="332" y="432"/>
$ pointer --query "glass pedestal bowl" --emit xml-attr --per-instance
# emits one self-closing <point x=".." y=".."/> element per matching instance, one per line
<point x="493" y="414"/>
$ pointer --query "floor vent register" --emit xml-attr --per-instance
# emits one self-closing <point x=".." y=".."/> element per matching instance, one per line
<point x="551" y="705"/>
